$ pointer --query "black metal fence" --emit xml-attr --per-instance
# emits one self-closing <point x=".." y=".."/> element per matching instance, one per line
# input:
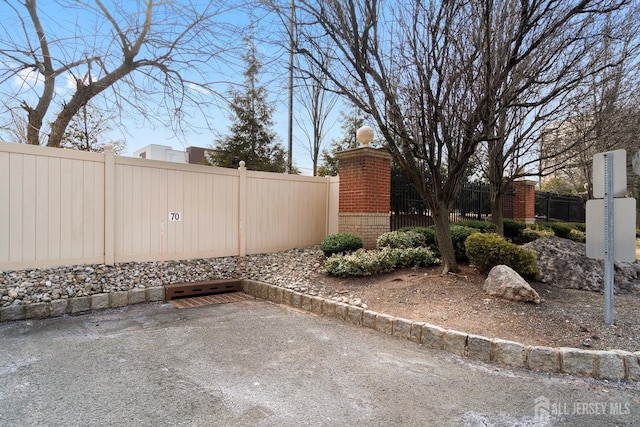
<point x="554" y="207"/>
<point x="409" y="210"/>
<point x="473" y="202"/>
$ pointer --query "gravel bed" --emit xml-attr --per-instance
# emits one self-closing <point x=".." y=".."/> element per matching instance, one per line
<point x="293" y="269"/>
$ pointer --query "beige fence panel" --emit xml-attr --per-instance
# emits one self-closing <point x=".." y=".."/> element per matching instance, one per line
<point x="284" y="211"/>
<point x="205" y="198"/>
<point x="51" y="207"/>
<point x="64" y="207"/>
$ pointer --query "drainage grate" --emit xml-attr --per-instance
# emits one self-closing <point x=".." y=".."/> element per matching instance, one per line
<point x="210" y="300"/>
<point x="211" y="287"/>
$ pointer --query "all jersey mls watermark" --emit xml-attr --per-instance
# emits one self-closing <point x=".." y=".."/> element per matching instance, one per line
<point x="546" y="410"/>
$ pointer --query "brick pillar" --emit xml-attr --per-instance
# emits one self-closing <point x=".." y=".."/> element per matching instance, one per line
<point x="365" y="193"/>
<point x="524" y="201"/>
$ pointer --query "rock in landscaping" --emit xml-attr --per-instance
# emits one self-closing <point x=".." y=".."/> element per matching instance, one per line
<point x="564" y="263"/>
<point x="504" y="282"/>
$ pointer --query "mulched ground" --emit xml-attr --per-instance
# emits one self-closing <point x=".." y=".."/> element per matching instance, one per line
<point x="565" y="318"/>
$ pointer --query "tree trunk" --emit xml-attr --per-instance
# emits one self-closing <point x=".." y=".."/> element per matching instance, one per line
<point x="495" y="173"/>
<point x="445" y="244"/>
<point x="33" y="127"/>
<point x="497" y="217"/>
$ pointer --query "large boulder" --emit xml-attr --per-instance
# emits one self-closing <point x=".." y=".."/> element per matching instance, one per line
<point x="504" y="282"/>
<point x="564" y="263"/>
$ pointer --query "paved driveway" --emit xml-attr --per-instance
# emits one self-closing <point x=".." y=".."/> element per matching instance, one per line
<point x="254" y="363"/>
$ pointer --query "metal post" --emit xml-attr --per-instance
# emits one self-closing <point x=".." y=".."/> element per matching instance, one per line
<point x="479" y="187"/>
<point x="608" y="238"/>
<point x="290" y="110"/>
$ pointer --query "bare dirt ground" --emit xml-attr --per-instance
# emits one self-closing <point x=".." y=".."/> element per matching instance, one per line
<point x="564" y="318"/>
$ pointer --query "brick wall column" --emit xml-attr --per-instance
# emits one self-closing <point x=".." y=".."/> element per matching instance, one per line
<point x="524" y="201"/>
<point x="365" y="193"/>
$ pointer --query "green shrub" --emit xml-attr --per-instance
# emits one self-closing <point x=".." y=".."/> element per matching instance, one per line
<point x="459" y="235"/>
<point x="419" y="257"/>
<point x="488" y="250"/>
<point x="559" y="228"/>
<point x="541" y="226"/>
<point x="429" y="234"/>
<point x="365" y="263"/>
<point x="359" y="263"/>
<point x="580" y="226"/>
<point x="577" y="236"/>
<point x="483" y="226"/>
<point x="513" y="228"/>
<point x="400" y="239"/>
<point x="530" y="234"/>
<point x="339" y="243"/>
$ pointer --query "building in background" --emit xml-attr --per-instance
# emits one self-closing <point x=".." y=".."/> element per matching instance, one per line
<point x="165" y="153"/>
<point x="192" y="155"/>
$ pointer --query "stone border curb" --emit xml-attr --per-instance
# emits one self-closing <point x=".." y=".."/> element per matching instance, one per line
<point x="77" y="305"/>
<point x="603" y="365"/>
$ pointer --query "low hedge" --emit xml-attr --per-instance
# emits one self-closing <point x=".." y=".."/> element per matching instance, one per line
<point x="482" y="226"/>
<point x="340" y="243"/>
<point x="429" y="234"/>
<point x="530" y="234"/>
<point x="368" y="262"/>
<point x="488" y="250"/>
<point x="560" y="229"/>
<point x="577" y="236"/>
<point x="459" y="233"/>
<point x="401" y="239"/>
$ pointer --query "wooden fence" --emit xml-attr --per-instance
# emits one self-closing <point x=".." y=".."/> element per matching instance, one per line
<point x="64" y="207"/>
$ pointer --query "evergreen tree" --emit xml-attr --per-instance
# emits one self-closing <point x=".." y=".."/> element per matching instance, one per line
<point x="251" y="138"/>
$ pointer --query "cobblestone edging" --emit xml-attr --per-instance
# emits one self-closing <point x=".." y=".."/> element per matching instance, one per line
<point x="604" y="365"/>
<point x="60" y="307"/>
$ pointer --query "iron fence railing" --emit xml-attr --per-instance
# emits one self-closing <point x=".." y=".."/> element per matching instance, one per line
<point x="473" y="202"/>
<point x="554" y="207"/>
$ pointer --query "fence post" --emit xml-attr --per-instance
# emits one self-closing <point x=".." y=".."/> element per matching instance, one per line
<point x="109" y="204"/>
<point x="242" y="208"/>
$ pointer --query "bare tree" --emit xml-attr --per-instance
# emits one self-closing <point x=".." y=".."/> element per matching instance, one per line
<point x="436" y="75"/>
<point x="140" y="56"/>
<point x="318" y="104"/>
<point x="594" y="63"/>
<point x="608" y="116"/>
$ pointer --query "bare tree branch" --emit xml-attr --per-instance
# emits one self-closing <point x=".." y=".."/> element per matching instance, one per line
<point x="146" y="55"/>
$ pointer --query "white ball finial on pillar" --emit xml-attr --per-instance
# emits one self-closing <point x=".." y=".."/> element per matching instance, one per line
<point x="365" y="135"/>
<point x="242" y="163"/>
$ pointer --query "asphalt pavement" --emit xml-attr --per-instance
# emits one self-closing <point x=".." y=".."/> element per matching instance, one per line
<point x="253" y="363"/>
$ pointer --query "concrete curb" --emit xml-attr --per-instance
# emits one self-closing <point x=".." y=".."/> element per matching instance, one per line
<point x="603" y="365"/>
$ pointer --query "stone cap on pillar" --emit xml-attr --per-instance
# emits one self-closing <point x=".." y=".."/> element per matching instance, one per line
<point x="382" y="153"/>
<point x="528" y="182"/>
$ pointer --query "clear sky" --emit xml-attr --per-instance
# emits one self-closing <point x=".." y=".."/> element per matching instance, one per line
<point x="63" y="20"/>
